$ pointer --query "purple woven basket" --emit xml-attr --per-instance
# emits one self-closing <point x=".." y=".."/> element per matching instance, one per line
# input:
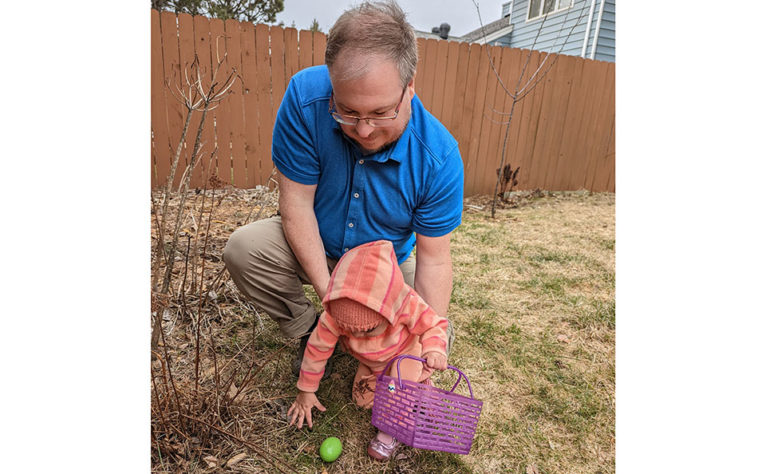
<point x="423" y="416"/>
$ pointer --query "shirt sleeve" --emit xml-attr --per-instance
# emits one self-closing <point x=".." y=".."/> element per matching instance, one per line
<point x="319" y="348"/>
<point x="292" y="147"/>
<point x="441" y="210"/>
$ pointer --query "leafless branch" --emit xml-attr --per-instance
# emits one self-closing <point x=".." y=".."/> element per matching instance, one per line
<point x="555" y="58"/>
<point x="520" y="92"/>
<point x="184" y="186"/>
<point x="491" y="63"/>
<point x="531" y="49"/>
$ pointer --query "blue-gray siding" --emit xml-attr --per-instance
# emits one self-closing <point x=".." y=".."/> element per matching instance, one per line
<point x="564" y="31"/>
<point x="605" y="50"/>
<point x="502" y="41"/>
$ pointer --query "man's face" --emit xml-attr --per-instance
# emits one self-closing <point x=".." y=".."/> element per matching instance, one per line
<point x="376" y="94"/>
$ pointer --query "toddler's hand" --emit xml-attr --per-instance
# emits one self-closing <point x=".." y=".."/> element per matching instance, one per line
<point x="301" y="408"/>
<point x="435" y="360"/>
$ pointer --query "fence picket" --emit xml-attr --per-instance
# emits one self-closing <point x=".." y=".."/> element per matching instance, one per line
<point x="464" y="120"/>
<point x="305" y="49"/>
<point x="277" y="36"/>
<point x="592" y="84"/>
<point x="477" y="120"/>
<point x="160" y="161"/>
<point x="512" y="157"/>
<point x="420" y="67"/>
<point x="250" y="84"/>
<point x="440" y="78"/>
<point x="561" y="85"/>
<point x="221" y="114"/>
<point x="608" y="159"/>
<point x="603" y="142"/>
<point x="320" y="44"/>
<point x="202" y="49"/>
<point x="489" y="128"/>
<point x="185" y="60"/>
<point x="530" y="119"/>
<point x="291" y="54"/>
<point x="171" y="66"/>
<point x="460" y="90"/>
<point x="534" y="137"/>
<point x="265" y="123"/>
<point x="564" y="169"/>
<point x="486" y="177"/>
<point x="427" y="84"/>
<point x="511" y="68"/>
<point x="591" y="160"/>
<point x="450" y="82"/>
<point x="236" y="109"/>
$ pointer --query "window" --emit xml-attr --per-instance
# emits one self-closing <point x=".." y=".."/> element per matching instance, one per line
<point x="538" y="8"/>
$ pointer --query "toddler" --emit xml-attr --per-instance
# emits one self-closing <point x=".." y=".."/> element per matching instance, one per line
<point x="375" y="316"/>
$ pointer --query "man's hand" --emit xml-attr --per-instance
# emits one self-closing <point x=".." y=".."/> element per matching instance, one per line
<point x="301" y="408"/>
<point x="435" y="360"/>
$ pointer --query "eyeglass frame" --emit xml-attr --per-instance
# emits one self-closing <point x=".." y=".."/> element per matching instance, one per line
<point x="339" y="117"/>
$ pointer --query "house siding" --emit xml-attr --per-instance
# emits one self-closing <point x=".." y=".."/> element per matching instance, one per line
<point x="564" y="31"/>
<point x="605" y="50"/>
<point x="558" y="26"/>
<point x="503" y="41"/>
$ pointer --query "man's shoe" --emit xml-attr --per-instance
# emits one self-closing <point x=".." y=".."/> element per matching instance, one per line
<point x="299" y="356"/>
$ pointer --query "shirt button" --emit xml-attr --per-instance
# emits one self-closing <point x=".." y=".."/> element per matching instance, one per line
<point x="345" y="249"/>
<point x="361" y="162"/>
<point x="356" y="195"/>
<point x="351" y="224"/>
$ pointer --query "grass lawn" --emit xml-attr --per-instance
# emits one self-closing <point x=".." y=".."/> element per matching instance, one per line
<point x="534" y="317"/>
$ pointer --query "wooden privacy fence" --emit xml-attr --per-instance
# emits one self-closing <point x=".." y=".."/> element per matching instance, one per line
<point x="561" y="134"/>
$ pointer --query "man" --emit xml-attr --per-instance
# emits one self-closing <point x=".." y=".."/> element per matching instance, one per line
<point x="359" y="159"/>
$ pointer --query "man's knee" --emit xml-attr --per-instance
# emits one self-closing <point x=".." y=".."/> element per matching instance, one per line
<point x="236" y="251"/>
<point x="245" y="244"/>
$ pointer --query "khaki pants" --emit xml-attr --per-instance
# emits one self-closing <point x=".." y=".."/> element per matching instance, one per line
<point x="264" y="268"/>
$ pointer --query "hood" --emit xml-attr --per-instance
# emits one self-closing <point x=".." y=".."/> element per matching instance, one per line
<point x="370" y="275"/>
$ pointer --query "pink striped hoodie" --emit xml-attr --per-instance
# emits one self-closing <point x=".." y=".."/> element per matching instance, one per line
<point x="369" y="274"/>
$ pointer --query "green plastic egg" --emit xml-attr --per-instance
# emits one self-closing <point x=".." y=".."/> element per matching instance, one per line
<point x="330" y="449"/>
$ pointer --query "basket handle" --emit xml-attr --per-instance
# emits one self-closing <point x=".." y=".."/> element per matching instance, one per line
<point x="399" y="358"/>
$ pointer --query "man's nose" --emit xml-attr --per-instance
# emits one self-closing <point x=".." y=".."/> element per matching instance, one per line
<point x="363" y="129"/>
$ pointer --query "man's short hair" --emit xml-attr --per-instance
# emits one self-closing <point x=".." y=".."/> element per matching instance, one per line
<point x="369" y="30"/>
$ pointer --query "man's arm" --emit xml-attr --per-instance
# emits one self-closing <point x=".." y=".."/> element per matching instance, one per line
<point x="433" y="271"/>
<point x="299" y="222"/>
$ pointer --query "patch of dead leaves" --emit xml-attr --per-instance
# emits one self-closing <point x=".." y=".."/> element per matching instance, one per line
<point x="211" y="461"/>
<point x="234" y="460"/>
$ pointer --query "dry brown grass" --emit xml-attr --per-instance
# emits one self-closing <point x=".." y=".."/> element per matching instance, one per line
<point x="533" y="309"/>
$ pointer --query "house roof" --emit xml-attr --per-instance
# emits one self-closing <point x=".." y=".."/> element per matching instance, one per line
<point x="429" y="35"/>
<point x="489" y="28"/>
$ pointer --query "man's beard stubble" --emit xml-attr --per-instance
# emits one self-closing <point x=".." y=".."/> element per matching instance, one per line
<point x="385" y="146"/>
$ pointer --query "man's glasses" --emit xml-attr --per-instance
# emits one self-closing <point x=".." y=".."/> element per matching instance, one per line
<point x="371" y="121"/>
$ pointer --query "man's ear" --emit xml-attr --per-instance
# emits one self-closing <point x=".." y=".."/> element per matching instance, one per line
<point x="411" y="86"/>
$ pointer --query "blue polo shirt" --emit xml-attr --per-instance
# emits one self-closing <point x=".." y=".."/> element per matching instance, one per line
<point x="413" y="186"/>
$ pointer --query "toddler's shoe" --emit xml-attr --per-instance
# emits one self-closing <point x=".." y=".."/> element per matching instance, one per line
<point x="381" y="451"/>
